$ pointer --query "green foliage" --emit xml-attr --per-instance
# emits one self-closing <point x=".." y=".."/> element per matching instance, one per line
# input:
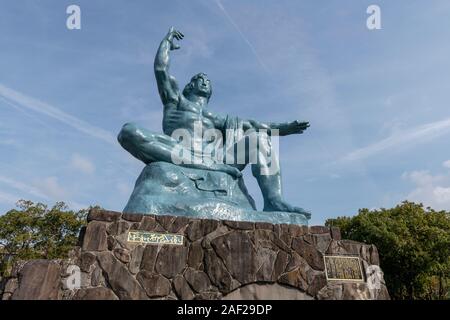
<point x="34" y="231"/>
<point x="413" y="244"/>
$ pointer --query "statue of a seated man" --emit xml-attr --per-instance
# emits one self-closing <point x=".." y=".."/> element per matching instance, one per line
<point x="182" y="110"/>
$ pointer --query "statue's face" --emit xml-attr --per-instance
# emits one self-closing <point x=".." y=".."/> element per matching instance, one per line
<point x="202" y="86"/>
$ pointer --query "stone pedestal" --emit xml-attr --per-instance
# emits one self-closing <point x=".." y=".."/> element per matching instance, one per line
<point x="164" y="188"/>
<point x="216" y="260"/>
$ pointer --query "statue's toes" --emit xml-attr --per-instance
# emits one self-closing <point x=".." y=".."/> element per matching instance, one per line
<point x="285" y="207"/>
<point x="302" y="211"/>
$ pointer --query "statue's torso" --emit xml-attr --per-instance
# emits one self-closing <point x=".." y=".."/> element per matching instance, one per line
<point x="186" y="115"/>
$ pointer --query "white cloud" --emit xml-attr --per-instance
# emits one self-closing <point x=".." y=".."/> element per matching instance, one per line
<point x="431" y="190"/>
<point x="7" y="198"/>
<point x="124" y="188"/>
<point x="82" y="164"/>
<point x="52" y="188"/>
<point x="446" y="164"/>
<point x="442" y="195"/>
<point x="73" y="205"/>
<point x="422" y="178"/>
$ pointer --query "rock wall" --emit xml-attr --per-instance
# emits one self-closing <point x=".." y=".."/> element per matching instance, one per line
<point x="218" y="260"/>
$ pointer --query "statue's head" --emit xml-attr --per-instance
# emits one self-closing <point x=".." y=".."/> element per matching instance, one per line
<point x="199" y="85"/>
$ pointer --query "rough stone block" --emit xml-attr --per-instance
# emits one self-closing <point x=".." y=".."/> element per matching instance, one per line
<point x="319" y="229"/>
<point x="309" y="252"/>
<point x="99" y="293"/>
<point x="118" y="227"/>
<point x="39" y="280"/>
<point x="335" y="233"/>
<point x="95" y="238"/>
<point x="154" y="284"/>
<point x="122" y="254"/>
<point x="132" y="217"/>
<point x="103" y="215"/>
<point x="121" y="281"/>
<point x="237" y="252"/>
<point x="87" y="260"/>
<point x="182" y="288"/>
<point x="197" y="279"/>
<point x="171" y="260"/>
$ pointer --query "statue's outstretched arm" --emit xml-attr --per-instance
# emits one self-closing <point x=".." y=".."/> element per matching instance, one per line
<point x="284" y="128"/>
<point x="167" y="85"/>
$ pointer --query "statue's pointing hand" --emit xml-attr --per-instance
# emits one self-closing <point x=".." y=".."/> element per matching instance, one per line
<point x="174" y="34"/>
<point x="294" y="127"/>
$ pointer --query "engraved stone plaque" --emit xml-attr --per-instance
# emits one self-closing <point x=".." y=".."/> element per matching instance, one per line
<point x="343" y="268"/>
<point x="155" y="238"/>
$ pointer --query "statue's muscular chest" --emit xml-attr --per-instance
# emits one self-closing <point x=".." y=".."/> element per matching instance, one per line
<point x="185" y="116"/>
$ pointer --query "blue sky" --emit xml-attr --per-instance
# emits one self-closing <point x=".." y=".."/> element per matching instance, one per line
<point x="377" y="100"/>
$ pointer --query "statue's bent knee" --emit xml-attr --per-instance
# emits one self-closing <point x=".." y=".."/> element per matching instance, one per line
<point x="127" y="133"/>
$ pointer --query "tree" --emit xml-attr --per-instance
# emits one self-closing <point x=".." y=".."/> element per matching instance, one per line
<point x="414" y="247"/>
<point x="34" y="231"/>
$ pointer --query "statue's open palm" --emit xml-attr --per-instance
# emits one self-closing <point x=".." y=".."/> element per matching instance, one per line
<point x="294" y="127"/>
<point x="174" y="34"/>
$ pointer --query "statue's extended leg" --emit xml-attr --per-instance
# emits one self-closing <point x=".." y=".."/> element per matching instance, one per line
<point x="268" y="175"/>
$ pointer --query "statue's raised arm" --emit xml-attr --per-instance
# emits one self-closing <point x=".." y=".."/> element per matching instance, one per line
<point x="167" y="85"/>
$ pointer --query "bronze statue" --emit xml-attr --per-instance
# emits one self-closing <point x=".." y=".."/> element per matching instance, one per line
<point x="187" y="108"/>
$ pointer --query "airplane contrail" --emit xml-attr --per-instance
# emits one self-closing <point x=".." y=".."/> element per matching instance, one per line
<point x="23" y="187"/>
<point x="16" y="99"/>
<point x="52" y="111"/>
<point x="7" y="197"/>
<point x="231" y="20"/>
<point x="415" y="134"/>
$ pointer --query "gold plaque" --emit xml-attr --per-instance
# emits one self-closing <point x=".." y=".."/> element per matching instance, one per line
<point x="155" y="238"/>
<point x="343" y="268"/>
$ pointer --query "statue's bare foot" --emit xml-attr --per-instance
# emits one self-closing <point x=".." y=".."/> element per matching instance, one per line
<point x="280" y="205"/>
